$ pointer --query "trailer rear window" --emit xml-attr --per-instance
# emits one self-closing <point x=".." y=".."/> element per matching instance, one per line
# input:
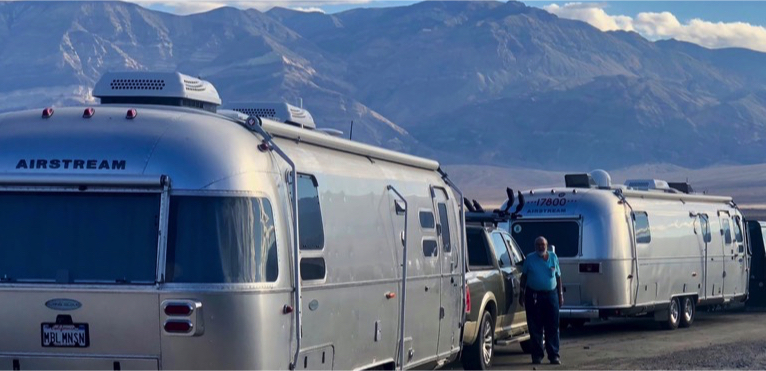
<point x="563" y="234"/>
<point x="65" y="237"/>
<point x="221" y="240"/>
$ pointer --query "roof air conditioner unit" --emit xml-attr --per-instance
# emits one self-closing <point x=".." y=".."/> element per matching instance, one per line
<point x="282" y="112"/>
<point x="647" y="184"/>
<point x="163" y="88"/>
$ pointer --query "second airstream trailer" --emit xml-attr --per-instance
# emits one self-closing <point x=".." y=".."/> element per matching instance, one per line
<point x="640" y="249"/>
<point x="154" y="231"/>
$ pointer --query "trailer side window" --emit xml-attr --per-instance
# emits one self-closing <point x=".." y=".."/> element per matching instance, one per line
<point x="313" y="269"/>
<point x="641" y="223"/>
<point x="221" y="240"/>
<point x="738" y="230"/>
<point x="705" y="228"/>
<point x="430" y="248"/>
<point x="427" y="220"/>
<point x="310" y="229"/>
<point x="726" y="231"/>
<point x="445" y="232"/>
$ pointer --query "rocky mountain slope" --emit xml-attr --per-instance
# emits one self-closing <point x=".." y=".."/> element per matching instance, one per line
<point x="489" y="83"/>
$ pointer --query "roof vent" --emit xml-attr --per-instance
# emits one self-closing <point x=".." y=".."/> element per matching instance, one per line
<point x="579" y="181"/>
<point x="648" y="184"/>
<point x="282" y="112"/>
<point x="163" y="88"/>
<point x="684" y="187"/>
<point x="602" y="178"/>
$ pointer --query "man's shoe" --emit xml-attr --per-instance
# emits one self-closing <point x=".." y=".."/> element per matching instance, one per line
<point x="556" y="361"/>
<point x="536" y="361"/>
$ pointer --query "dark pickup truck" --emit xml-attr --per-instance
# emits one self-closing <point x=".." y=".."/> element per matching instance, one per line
<point x="495" y="316"/>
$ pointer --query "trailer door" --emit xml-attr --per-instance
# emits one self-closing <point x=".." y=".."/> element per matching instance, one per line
<point x="729" y="262"/>
<point x="451" y="286"/>
<point x="740" y="255"/>
<point x="714" y="263"/>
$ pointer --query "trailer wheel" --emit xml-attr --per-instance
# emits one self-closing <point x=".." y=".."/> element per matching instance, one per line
<point x="674" y="315"/>
<point x="688" y="311"/>
<point x="478" y="356"/>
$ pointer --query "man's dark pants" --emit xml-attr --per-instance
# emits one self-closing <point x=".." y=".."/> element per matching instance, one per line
<point x="543" y="316"/>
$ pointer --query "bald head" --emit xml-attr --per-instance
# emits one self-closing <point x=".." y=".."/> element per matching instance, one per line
<point x="541" y="244"/>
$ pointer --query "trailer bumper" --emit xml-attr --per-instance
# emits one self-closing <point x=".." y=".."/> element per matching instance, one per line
<point x="579" y="313"/>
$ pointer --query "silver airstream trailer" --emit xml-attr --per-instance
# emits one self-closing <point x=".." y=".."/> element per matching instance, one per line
<point x="156" y="231"/>
<point x="644" y="248"/>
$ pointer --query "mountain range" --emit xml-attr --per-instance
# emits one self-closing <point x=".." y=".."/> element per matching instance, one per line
<point x="497" y="84"/>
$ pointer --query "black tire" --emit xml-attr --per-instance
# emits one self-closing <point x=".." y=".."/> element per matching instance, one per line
<point x="578" y="323"/>
<point x="688" y="311"/>
<point x="564" y="323"/>
<point x="674" y="315"/>
<point x="478" y="356"/>
<point x="526" y="346"/>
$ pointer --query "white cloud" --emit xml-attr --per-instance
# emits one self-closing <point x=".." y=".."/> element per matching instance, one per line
<point x="196" y="6"/>
<point x="665" y="25"/>
<point x="312" y="9"/>
<point x="593" y="14"/>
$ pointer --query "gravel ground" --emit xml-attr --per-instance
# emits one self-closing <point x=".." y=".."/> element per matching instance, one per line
<point x="722" y="340"/>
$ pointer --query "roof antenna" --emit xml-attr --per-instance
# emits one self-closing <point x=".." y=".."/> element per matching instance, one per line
<point x="351" y="132"/>
<point x="301" y="99"/>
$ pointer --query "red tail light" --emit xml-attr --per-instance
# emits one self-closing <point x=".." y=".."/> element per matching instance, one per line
<point x="88" y="113"/>
<point x="178" y="309"/>
<point x="132" y="113"/>
<point x="178" y="327"/>
<point x="467" y="300"/>
<point x="48" y="112"/>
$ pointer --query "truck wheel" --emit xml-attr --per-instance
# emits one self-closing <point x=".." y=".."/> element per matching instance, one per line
<point x="674" y="315"/>
<point x="688" y="311"/>
<point x="577" y="323"/>
<point x="478" y="356"/>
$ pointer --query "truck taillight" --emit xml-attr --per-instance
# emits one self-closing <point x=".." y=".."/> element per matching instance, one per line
<point x="467" y="300"/>
<point x="178" y="309"/>
<point x="178" y="327"/>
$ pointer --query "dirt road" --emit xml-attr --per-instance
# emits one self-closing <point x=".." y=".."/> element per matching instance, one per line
<point x="729" y="340"/>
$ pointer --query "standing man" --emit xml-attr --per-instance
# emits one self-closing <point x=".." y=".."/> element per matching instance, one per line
<point x="542" y="296"/>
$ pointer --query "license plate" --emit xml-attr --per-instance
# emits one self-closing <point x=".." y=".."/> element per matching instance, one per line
<point x="73" y="335"/>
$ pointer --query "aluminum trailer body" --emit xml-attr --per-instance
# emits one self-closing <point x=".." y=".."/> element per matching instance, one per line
<point x="139" y="235"/>
<point x="628" y="252"/>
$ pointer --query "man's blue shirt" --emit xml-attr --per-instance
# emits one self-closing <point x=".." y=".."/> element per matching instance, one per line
<point x="541" y="274"/>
